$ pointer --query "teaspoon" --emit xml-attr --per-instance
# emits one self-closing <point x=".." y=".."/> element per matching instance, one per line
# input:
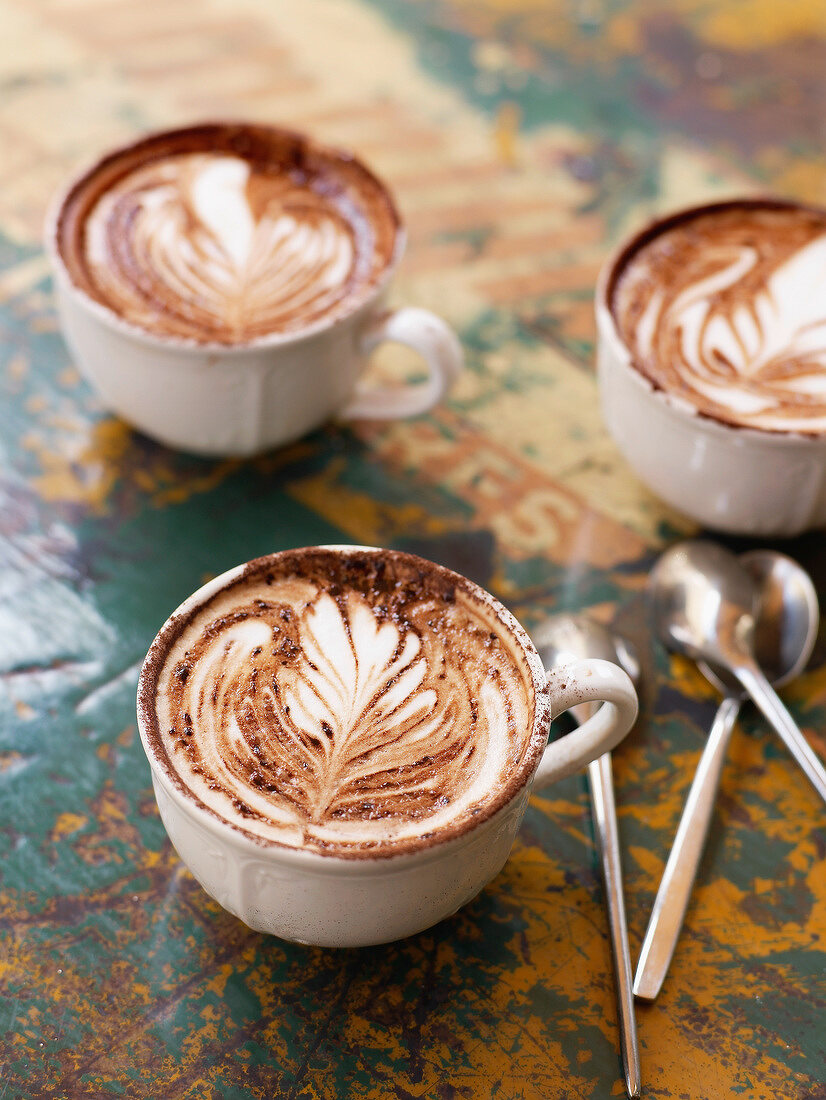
<point x="705" y="605"/>
<point x="560" y="640"/>
<point x="785" y="633"/>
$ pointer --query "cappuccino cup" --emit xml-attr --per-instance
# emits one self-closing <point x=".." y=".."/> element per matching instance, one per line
<point x="222" y="287"/>
<point x="343" y="740"/>
<point x="711" y="359"/>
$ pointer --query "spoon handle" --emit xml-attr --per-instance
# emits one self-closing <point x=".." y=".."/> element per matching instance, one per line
<point x="671" y="902"/>
<point x="606" y="828"/>
<point x="603" y="806"/>
<point x="765" y="697"/>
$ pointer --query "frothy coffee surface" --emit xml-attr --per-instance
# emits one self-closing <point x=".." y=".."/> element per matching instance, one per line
<point x="341" y="703"/>
<point x="227" y="233"/>
<point x="727" y="309"/>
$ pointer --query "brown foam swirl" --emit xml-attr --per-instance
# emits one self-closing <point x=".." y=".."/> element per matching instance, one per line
<point x="724" y="308"/>
<point x="341" y="708"/>
<point x="227" y="234"/>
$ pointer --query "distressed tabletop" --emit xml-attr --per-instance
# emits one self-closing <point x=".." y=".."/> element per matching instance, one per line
<point x="522" y="140"/>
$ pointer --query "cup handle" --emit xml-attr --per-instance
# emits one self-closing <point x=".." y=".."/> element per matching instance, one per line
<point x="587" y="681"/>
<point x="437" y="344"/>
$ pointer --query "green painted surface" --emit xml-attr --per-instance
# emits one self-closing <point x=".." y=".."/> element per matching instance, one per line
<point x="118" y="976"/>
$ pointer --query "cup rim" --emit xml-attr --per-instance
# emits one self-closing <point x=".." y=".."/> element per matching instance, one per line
<point x="110" y="317"/>
<point x="414" y="848"/>
<point x="607" y="328"/>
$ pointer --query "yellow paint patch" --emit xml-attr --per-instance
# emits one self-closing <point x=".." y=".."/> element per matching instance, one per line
<point x="506" y="132"/>
<point x="689" y="681"/>
<point x="756" y="24"/>
<point x="361" y="516"/>
<point x="83" y="474"/>
<point x="166" y="487"/>
<point x="624" y="34"/>
<point x="66" y="824"/>
<point x="218" y="981"/>
<point x="83" y="466"/>
<point x="650" y="862"/>
<point x="803" y="178"/>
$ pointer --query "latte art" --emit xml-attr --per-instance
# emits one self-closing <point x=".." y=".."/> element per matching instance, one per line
<point x="186" y="230"/>
<point x="207" y="235"/>
<point x="342" y="708"/>
<point x="727" y="309"/>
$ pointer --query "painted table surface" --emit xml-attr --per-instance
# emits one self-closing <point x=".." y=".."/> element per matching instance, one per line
<point x="522" y="139"/>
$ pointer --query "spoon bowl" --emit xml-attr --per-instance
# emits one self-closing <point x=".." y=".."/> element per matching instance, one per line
<point x="564" y="638"/>
<point x="704" y="602"/>
<point x="785" y="629"/>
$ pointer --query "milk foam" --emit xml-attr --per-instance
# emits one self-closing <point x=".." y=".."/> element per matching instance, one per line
<point x="730" y="312"/>
<point x="220" y="203"/>
<point x="184" y="232"/>
<point x="341" y="719"/>
<point x="227" y="233"/>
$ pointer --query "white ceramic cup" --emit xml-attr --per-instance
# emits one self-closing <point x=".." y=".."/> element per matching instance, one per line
<point x="733" y="479"/>
<point x="332" y="901"/>
<point x="240" y="399"/>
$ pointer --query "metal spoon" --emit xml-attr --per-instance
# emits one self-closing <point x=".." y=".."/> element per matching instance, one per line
<point x="705" y="605"/>
<point x="785" y="633"/>
<point x="560" y="640"/>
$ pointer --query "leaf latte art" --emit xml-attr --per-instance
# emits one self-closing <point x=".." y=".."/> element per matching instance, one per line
<point x="334" y="715"/>
<point x="727" y="309"/>
<point x="227" y="234"/>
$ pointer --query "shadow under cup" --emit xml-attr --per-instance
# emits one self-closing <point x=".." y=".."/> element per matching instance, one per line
<point x="357" y="898"/>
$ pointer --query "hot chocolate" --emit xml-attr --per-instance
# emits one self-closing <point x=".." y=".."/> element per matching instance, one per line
<point x="228" y="233"/>
<point x="724" y="307"/>
<point x="349" y="703"/>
